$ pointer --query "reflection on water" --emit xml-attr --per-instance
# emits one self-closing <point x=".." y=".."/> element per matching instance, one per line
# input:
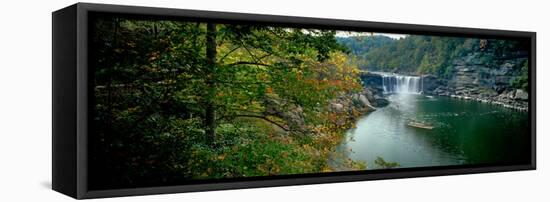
<point x="466" y="132"/>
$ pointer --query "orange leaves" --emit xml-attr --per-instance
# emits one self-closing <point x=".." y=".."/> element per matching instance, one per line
<point x="337" y="74"/>
<point x="327" y="169"/>
<point x="335" y="82"/>
<point x="299" y="76"/>
<point x="153" y="56"/>
<point x="332" y="117"/>
<point x="306" y="147"/>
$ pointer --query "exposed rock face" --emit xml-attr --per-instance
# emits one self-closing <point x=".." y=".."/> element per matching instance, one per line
<point x="295" y="119"/>
<point x="473" y="79"/>
<point x="470" y="71"/>
<point x="371" y="79"/>
<point x="336" y="107"/>
<point x="364" y="100"/>
<point x="373" y="89"/>
<point x="370" y="99"/>
<point x="369" y="94"/>
<point x="521" y="95"/>
<point x="430" y="83"/>
<point x="353" y="104"/>
<point x="293" y="116"/>
<point x="360" y="100"/>
<point x="344" y="106"/>
<point x="374" y="96"/>
<point x="348" y="106"/>
<point x="470" y="78"/>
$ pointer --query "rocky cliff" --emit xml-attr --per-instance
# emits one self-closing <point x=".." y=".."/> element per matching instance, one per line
<point x="356" y="104"/>
<point x="346" y="108"/>
<point x="472" y="78"/>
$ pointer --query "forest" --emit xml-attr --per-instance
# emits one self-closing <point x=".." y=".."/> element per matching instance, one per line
<point x="177" y="102"/>
<point x="419" y="54"/>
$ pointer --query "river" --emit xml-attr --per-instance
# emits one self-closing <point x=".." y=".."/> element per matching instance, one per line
<point x="465" y="132"/>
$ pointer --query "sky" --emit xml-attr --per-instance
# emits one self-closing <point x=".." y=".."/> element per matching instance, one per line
<point x="348" y="33"/>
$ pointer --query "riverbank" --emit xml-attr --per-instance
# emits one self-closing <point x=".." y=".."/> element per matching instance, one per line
<point x="465" y="86"/>
<point x="464" y="132"/>
<point x="500" y="100"/>
<point x="350" y="108"/>
<point x="516" y="99"/>
<point x="472" y="77"/>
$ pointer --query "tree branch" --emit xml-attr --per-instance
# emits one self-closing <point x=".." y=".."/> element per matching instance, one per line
<point x="249" y="52"/>
<point x="228" y="53"/>
<point x="262" y="118"/>
<point x="248" y="63"/>
<point x="242" y="82"/>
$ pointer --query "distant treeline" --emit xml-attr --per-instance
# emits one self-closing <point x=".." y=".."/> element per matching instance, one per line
<point x="427" y="54"/>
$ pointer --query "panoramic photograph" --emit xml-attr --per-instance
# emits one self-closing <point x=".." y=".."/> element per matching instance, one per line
<point x="183" y="102"/>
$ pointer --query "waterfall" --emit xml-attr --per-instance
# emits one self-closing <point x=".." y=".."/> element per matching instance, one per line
<point x="394" y="83"/>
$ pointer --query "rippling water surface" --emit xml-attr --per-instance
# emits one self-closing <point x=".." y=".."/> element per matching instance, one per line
<point x="465" y="132"/>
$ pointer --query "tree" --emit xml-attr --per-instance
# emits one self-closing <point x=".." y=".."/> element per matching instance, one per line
<point x="173" y="99"/>
<point x="211" y="52"/>
<point x="430" y="54"/>
<point x="380" y="162"/>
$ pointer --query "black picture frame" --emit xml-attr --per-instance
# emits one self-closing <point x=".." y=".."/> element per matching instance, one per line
<point x="71" y="87"/>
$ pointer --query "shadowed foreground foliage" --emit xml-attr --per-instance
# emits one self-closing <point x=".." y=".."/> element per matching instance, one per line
<point x="178" y="101"/>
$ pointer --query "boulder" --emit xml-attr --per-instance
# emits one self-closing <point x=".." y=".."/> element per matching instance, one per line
<point x="364" y="100"/>
<point x="292" y="114"/>
<point x="381" y="102"/>
<point x="295" y="119"/>
<point x="369" y="94"/>
<point x="336" y="107"/>
<point x="521" y="95"/>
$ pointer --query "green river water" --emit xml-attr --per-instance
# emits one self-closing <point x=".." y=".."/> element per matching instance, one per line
<point x="465" y="132"/>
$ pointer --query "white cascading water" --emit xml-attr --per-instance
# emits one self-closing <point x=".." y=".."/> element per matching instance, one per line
<point x="401" y="84"/>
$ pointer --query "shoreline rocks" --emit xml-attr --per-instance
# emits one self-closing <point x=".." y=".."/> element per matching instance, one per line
<point x="515" y="106"/>
<point x="510" y="98"/>
<point x="356" y="104"/>
<point x="471" y="78"/>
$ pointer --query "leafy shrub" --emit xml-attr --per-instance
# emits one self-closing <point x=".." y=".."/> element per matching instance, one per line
<point x="381" y="163"/>
<point x="522" y="80"/>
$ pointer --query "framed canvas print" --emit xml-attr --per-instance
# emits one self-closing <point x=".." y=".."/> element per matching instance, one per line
<point x="155" y="100"/>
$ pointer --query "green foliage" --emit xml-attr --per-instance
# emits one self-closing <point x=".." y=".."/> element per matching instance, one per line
<point x="447" y="72"/>
<point x="153" y="82"/>
<point x="256" y="155"/>
<point x="156" y="84"/>
<point x="522" y="81"/>
<point x="381" y="163"/>
<point x="417" y="54"/>
<point x="362" y="44"/>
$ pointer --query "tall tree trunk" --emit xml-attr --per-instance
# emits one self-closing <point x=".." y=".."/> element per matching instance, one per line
<point x="210" y="116"/>
<point x="110" y="64"/>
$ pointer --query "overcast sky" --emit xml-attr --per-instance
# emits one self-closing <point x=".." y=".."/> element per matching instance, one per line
<point x="347" y="34"/>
